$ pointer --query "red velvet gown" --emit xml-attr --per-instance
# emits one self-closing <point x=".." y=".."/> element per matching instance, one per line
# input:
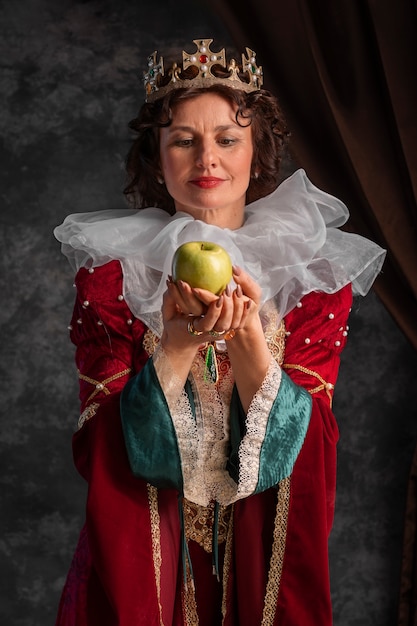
<point x="127" y="568"/>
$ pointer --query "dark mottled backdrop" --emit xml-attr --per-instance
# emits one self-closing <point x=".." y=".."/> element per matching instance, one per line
<point x="68" y="86"/>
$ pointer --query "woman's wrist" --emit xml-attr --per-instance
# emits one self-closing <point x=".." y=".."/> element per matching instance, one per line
<point x="180" y="353"/>
<point x="250" y="358"/>
<point x="250" y="341"/>
<point x="250" y="332"/>
<point x="173" y="345"/>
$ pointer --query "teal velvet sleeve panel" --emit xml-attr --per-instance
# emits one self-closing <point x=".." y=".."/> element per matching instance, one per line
<point x="151" y="440"/>
<point x="149" y="433"/>
<point x="285" y="433"/>
<point x="237" y="432"/>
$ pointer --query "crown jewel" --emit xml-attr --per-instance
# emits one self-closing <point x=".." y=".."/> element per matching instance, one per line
<point x="158" y="83"/>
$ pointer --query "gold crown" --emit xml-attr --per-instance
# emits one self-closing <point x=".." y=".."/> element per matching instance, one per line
<point x="203" y="60"/>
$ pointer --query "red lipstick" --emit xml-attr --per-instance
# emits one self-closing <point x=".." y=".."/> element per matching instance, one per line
<point x="206" y="182"/>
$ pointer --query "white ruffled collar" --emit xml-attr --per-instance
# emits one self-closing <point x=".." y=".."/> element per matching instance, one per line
<point x="290" y="243"/>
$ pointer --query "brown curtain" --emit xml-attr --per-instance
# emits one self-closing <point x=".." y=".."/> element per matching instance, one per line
<point x="346" y="74"/>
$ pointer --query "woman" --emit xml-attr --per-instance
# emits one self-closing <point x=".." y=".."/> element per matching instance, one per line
<point x="206" y="434"/>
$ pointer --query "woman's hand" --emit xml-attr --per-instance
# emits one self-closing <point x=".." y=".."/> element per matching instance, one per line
<point x="233" y="309"/>
<point x="187" y="301"/>
<point x="195" y="316"/>
<point x="217" y="314"/>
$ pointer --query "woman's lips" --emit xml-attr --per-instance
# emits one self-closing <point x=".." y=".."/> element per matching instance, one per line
<point x="206" y="182"/>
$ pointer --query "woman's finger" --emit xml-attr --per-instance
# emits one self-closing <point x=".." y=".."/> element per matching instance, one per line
<point x="207" y="297"/>
<point x="249" y="287"/>
<point x="248" y="309"/>
<point x="210" y="320"/>
<point x="225" y="318"/>
<point x="186" y="299"/>
<point x="239" y="301"/>
<point x="169" y="305"/>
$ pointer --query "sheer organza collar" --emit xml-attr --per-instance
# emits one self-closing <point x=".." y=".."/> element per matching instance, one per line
<point x="290" y="243"/>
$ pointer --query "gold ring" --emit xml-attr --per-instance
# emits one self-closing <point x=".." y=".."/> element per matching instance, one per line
<point x="215" y="333"/>
<point x="192" y="330"/>
<point x="230" y="334"/>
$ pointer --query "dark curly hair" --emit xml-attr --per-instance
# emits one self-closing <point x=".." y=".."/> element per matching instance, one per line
<point x="269" y="133"/>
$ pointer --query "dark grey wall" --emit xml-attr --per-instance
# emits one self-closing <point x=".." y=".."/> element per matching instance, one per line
<point x="68" y="86"/>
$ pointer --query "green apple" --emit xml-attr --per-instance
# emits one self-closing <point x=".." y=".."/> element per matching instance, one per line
<point x="202" y="264"/>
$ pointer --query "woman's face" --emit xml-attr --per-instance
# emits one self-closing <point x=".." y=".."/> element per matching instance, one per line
<point x="206" y="160"/>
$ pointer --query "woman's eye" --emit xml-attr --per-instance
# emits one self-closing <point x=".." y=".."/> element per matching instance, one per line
<point x="184" y="142"/>
<point x="227" y="141"/>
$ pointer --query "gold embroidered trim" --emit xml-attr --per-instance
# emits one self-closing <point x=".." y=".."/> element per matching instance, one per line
<point x="274" y="332"/>
<point x="101" y="385"/>
<point x="227" y="562"/>
<point x="198" y="523"/>
<point x="156" y="542"/>
<point x="276" y="343"/>
<point x="189" y="604"/>
<point x="150" y="342"/>
<point x="324" y="384"/>
<point x="87" y="414"/>
<point x="278" y="551"/>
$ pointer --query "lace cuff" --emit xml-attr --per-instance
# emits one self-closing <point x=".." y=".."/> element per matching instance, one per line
<point x="256" y="424"/>
<point x="170" y="383"/>
<point x="267" y="441"/>
<point x="181" y="414"/>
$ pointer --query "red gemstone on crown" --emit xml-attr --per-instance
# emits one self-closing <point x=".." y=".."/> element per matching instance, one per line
<point x="203" y="58"/>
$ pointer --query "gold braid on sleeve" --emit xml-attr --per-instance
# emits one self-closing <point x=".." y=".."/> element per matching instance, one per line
<point x="328" y="387"/>
<point x="102" y="385"/>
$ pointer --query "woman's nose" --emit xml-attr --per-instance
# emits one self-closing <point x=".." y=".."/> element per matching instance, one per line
<point x="206" y="155"/>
